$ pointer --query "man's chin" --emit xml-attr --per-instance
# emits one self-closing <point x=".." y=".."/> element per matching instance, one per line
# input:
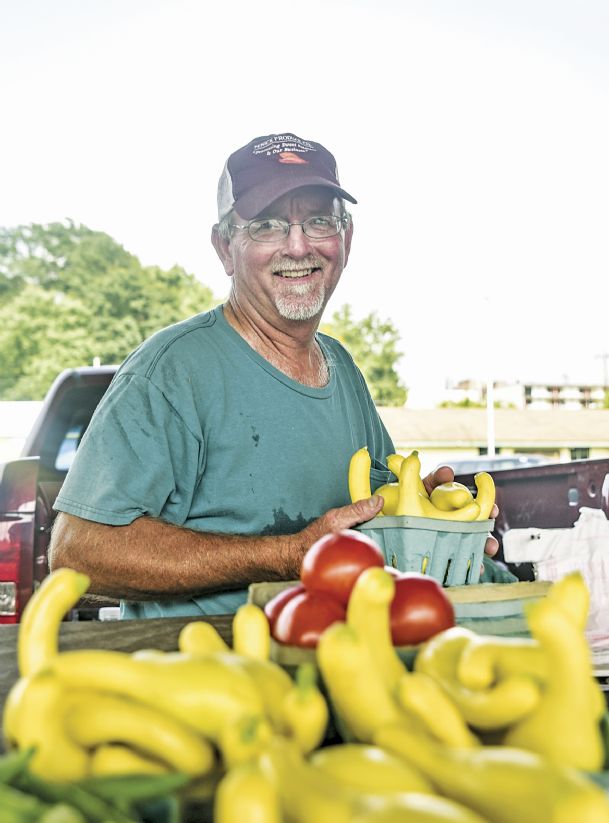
<point x="301" y="307"/>
<point x="301" y="313"/>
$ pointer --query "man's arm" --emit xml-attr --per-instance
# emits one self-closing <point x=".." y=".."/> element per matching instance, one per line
<point x="151" y="559"/>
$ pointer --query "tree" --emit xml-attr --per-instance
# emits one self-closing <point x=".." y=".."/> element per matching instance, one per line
<point x="68" y="294"/>
<point x="41" y="334"/>
<point x="373" y="345"/>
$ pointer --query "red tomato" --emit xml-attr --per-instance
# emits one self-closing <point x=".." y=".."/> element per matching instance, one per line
<point x="305" y="617"/>
<point x="336" y="560"/>
<point x="420" y="608"/>
<point x="276" y="604"/>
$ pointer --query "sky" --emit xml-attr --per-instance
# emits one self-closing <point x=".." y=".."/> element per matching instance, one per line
<point x="473" y="134"/>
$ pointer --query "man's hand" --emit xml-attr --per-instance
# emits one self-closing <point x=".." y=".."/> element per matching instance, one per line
<point x="445" y="474"/>
<point x="345" y="517"/>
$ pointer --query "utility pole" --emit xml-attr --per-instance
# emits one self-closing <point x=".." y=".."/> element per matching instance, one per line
<point x="491" y="445"/>
<point x="605" y="358"/>
<point x="490" y="417"/>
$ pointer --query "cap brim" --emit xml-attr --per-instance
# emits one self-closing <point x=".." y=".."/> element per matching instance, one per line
<point x="258" y="198"/>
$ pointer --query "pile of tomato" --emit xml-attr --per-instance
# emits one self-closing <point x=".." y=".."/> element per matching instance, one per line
<point x="300" y="614"/>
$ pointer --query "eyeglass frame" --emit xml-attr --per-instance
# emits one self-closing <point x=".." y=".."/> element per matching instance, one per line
<point x="342" y="221"/>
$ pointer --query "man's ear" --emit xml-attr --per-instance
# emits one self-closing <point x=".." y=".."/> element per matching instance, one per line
<point x="222" y="248"/>
<point x="348" y="238"/>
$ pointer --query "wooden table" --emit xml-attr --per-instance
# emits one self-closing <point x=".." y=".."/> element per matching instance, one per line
<point x="119" y="635"/>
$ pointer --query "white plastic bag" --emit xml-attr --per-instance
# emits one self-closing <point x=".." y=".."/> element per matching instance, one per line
<point x="556" y="552"/>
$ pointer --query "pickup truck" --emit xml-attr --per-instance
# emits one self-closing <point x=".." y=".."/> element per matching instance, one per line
<point x="545" y="496"/>
<point x="30" y="484"/>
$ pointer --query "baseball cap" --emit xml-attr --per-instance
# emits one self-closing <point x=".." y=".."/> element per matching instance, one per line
<point x="270" y="166"/>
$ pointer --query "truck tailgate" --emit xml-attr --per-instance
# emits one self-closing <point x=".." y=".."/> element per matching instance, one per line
<point x="546" y="497"/>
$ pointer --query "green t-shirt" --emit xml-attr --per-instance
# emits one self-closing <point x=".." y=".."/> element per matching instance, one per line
<point x="201" y="431"/>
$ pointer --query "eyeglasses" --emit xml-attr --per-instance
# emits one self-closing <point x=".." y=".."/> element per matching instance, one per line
<point x="273" y="229"/>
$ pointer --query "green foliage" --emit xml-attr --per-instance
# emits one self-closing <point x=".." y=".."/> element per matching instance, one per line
<point x="373" y="345"/>
<point x="466" y="403"/>
<point x="69" y="294"/>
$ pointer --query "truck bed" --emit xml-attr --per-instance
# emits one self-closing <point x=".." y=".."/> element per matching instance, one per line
<point x="547" y="497"/>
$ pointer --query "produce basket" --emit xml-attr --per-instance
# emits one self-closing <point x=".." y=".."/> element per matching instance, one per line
<point x="448" y="550"/>
<point x="488" y="608"/>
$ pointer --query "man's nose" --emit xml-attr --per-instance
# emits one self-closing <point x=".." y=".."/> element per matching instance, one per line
<point x="297" y="241"/>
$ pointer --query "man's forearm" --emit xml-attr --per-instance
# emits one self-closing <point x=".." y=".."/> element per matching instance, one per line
<point x="151" y="559"/>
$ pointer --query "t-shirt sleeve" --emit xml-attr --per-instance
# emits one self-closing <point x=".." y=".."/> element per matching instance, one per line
<point x="494" y="572"/>
<point x="380" y="443"/>
<point x="136" y="458"/>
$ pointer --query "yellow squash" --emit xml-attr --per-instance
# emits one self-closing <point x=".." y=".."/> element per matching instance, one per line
<point x="205" y="693"/>
<point x="39" y="629"/>
<point x="368" y="613"/>
<point x="412" y="503"/>
<point x="359" y="475"/>
<point x="501" y="783"/>
<point x="450" y="496"/>
<point x="357" y="689"/>
<point x="304" y="710"/>
<point x="251" y="632"/>
<point x="96" y="719"/>
<point x="496" y="707"/>
<point x="564" y="726"/>
<point x="245" y="793"/>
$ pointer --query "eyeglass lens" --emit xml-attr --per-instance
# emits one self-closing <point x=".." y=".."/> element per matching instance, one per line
<point x="266" y="231"/>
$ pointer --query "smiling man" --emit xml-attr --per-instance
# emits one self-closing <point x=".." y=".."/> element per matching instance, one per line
<point x="284" y="269"/>
<point x="220" y="452"/>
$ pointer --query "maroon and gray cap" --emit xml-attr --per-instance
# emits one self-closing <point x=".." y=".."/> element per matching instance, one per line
<point x="269" y="167"/>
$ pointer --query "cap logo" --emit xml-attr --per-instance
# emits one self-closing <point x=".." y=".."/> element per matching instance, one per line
<point x="283" y="144"/>
<point x="290" y="157"/>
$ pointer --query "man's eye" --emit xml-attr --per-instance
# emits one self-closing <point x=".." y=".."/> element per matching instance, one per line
<point x="322" y="221"/>
<point x="266" y="225"/>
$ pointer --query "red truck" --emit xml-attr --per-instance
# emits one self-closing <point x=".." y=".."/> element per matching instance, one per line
<point x="546" y="496"/>
<point x="30" y="484"/>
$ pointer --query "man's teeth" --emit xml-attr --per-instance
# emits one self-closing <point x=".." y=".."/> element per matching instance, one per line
<point x="297" y="273"/>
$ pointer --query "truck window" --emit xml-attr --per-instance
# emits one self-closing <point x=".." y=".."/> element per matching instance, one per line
<point x="68" y="447"/>
<point x="64" y="422"/>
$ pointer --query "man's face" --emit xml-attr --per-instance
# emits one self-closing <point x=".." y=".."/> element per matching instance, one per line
<point x="294" y="277"/>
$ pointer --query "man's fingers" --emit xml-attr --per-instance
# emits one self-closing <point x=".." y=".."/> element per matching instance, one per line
<point x="443" y="474"/>
<point x="359" y="512"/>
<point x="491" y="547"/>
<point x="352" y="515"/>
<point x="367" y="509"/>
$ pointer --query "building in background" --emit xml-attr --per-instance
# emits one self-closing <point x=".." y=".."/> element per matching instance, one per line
<point x="557" y="432"/>
<point x="443" y="434"/>
<point x="532" y="395"/>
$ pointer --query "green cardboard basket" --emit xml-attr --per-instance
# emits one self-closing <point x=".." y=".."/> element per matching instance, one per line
<point x="489" y="608"/>
<point x="448" y="550"/>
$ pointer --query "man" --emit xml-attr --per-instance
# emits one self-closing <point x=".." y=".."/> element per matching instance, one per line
<point x="220" y="452"/>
